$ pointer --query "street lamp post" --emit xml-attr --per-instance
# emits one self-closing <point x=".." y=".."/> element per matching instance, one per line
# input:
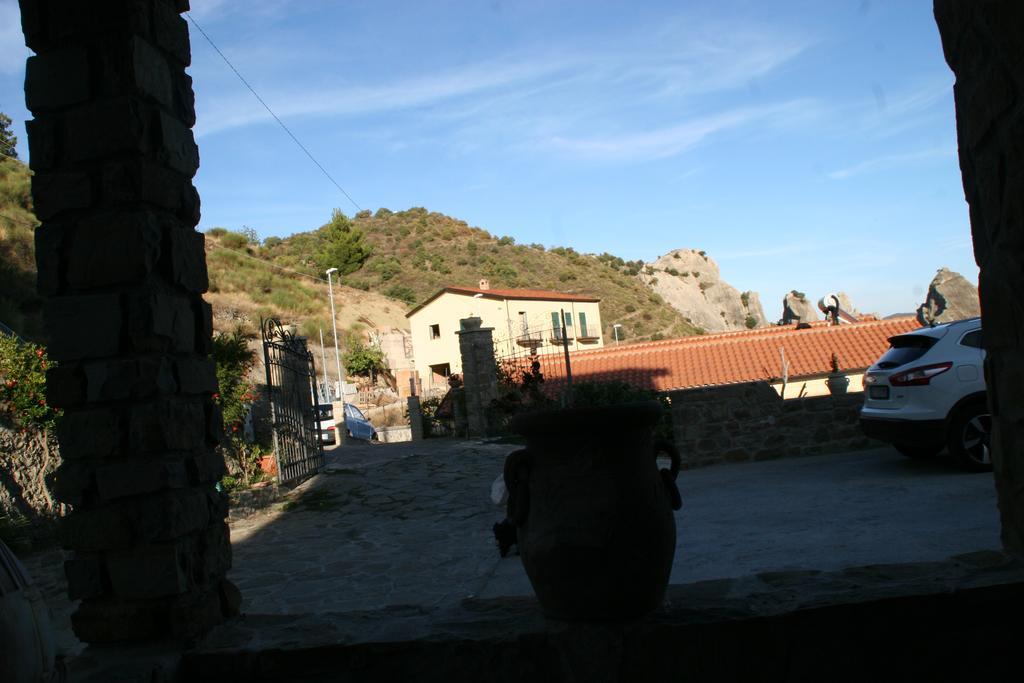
<point x="615" y="331"/>
<point x="334" y="320"/>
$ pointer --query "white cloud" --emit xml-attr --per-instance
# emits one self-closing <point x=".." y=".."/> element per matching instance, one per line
<point x="892" y="160"/>
<point x="672" y="140"/>
<point x="222" y="113"/>
<point x="596" y="80"/>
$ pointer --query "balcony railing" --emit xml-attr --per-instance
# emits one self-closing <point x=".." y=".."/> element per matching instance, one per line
<point x="557" y="334"/>
<point x="530" y="339"/>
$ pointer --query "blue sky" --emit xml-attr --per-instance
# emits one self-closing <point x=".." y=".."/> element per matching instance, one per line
<point x="804" y="145"/>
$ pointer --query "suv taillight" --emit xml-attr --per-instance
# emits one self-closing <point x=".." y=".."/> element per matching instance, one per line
<point x="916" y="377"/>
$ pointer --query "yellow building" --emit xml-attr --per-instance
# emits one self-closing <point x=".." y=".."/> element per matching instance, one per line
<point x="529" y="318"/>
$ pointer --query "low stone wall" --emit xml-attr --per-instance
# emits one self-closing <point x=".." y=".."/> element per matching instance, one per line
<point x="251" y="501"/>
<point x="394" y="434"/>
<point x="743" y="422"/>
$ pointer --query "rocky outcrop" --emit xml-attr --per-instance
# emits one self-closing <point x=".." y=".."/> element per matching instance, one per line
<point x="689" y="281"/>
<point x="950" y="297"/>
<point x="847" y="305"/>
<point x="797" y="308"/>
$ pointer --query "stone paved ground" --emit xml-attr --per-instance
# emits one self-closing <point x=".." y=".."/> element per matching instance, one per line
<point x="410" y="524"/>
<point x="390" y="524"/>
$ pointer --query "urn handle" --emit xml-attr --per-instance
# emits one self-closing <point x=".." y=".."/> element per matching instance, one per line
<point x="668" y="476"/>
<point x="517" y="472"/>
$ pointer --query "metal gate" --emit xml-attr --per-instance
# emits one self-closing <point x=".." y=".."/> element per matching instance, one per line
<point x="291" y="385"/>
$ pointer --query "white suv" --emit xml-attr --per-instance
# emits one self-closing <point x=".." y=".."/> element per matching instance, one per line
<point x="928" y="391"/>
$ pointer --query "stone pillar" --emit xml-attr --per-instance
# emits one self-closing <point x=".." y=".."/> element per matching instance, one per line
<point x="984" y="46"/>
<point x="415" y="417"/>
<point x="479" y="373"/>
<point x="123" y="270"/>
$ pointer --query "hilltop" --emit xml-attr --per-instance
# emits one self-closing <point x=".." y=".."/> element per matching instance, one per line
<point x="414" y="253"/>
<point x="410" y="255"/>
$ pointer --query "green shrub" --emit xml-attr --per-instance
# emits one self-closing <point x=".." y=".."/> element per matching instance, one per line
<point x="217" y="232"/>
<point x="23" y="368"/>
<point x="234" y="240"/>
<point x="402" y="293"/>
<point x="750" y="322"/>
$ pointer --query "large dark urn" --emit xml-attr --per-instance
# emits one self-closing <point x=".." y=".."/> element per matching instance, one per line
<point x="593" y="514"/>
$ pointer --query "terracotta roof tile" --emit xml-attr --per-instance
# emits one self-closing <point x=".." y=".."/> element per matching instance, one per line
<point x="734" y="357"/>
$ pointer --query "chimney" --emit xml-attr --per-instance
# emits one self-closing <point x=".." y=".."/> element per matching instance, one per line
<point x="485" y="284"/>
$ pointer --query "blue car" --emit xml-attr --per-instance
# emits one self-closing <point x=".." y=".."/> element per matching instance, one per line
<point x="357" y="425"/>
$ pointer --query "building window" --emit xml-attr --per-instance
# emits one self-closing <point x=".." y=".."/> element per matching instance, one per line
<point x="435" y="331"/>
<point x="583" y="324"/>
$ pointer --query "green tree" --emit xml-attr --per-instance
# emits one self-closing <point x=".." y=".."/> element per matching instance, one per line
<point x="361" y="359"/>
<point x="8" y="141"/>
<point x="344" y="245"/>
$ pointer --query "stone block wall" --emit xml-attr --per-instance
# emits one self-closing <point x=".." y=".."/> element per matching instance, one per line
<point x="479" y="374"/>
<point x="983" y="41"/>
<point x="123" y="271"/>
<point x="745" y="422"/>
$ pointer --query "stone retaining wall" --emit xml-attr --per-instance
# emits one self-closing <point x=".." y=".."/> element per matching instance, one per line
<point x="251" y="501"/>
<point x="394" y="434"/>
<point x="27" y="461"/>
<point x="743" y="422"/>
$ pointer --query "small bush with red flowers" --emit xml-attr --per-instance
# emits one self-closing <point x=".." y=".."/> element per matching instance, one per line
<point x="23" y="385"/>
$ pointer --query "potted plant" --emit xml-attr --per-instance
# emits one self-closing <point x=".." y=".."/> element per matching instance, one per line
<point x="837" y="382"/>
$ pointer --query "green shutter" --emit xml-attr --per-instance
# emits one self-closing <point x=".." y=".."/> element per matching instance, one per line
<point x="568" y="320"/>
<point x="555" y="322"/>
<point x="583" y="324"/>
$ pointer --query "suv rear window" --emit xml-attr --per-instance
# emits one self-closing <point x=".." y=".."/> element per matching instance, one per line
<point x="972" y="339"/>
<point x="905" y="349"/>
<point x="324" y="412"/>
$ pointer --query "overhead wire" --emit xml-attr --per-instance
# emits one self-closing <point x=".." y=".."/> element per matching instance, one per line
<point x="271" y="111"/>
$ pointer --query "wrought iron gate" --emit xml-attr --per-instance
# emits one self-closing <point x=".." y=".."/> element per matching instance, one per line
<point x="291" y="385"/>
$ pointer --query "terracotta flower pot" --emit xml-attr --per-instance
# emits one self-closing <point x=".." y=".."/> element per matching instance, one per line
<point x="268" y="464"/>
<point x="593" y="514"/>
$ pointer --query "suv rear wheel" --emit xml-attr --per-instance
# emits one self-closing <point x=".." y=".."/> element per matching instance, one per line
<point x="968" y="437"/>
